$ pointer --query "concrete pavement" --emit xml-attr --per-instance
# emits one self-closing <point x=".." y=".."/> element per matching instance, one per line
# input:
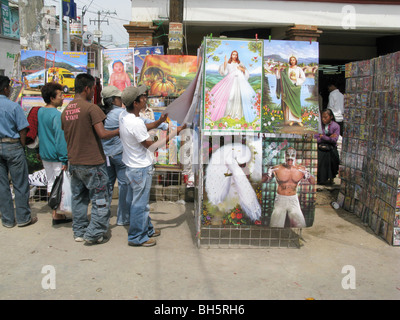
<point x="337" y="252"/>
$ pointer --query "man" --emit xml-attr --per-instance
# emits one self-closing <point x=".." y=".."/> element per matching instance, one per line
<point x="336" y="104"/>
<point x="52" y="145"/>
<point x="13" y="129"/>
<point x="82" y="122"/>
<point x="139" y="165"/>
<point x="288" y="88"/>
<point x="288" y="175"/>
<point x="112" y="107"/>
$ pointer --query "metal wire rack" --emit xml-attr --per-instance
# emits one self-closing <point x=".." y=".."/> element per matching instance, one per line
<point x="249" y="237"/>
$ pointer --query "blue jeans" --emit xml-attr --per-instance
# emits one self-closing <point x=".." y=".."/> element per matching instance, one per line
<point x="116" y="170"/>
<point x="140" y="228"/>
<point x="90" y="183"/>
<point x="13" y="160"/>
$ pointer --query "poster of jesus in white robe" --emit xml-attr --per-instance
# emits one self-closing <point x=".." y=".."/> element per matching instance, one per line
<point x="233" y="85"/>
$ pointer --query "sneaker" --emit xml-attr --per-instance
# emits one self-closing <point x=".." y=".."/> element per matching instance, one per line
<point x="79" y="239"/>
<point x="148" y="243"/>
<point x="30" y="222"/>
<point x="97" y="241"/>
<point x="156" y="233"/>
<point x="7" y="226"/>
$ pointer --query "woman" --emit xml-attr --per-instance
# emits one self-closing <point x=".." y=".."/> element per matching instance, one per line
<point x="52" y="145"/>
<point x="328" y="156"/>
<point x="233" y="96"/>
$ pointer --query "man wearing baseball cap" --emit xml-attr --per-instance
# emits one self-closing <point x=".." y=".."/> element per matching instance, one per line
<point x="139" y="165"/>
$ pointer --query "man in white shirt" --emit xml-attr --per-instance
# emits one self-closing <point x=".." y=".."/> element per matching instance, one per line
<point x="139" y="165"/>
<point x="336" y="104"/>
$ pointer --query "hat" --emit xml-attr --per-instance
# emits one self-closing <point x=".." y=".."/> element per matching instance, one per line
<point x="110" y="91"/>
<point x="130" y="94"/>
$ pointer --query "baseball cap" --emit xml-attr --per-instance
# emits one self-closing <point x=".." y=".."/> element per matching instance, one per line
<point x="110" y="91"/>
<point x="131" y="93"/>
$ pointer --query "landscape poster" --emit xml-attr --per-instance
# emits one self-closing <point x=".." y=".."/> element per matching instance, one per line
<point x="140" y="54"/>
<point x="168" y="75"/>
<point x="40" y="67"/>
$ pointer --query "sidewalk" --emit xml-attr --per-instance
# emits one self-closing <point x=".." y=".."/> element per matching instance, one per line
<point x="177" y="269"/>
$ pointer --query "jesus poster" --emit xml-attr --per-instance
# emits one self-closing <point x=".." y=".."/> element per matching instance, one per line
<point x="233" y="85"/>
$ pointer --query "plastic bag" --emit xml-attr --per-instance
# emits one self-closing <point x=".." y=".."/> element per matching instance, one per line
<point x="66" y="198"/>
<point x="56" y="192"/>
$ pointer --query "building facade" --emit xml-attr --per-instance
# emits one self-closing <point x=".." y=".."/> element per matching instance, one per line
<point x="346" y="30"/>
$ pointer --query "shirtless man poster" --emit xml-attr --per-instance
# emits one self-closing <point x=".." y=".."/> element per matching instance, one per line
<point x="288" y="176"/>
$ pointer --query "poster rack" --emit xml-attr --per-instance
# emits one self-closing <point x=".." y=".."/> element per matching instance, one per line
<point x="222" y="220"/>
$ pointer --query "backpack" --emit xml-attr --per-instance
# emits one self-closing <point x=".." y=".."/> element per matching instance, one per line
<point x="32" y="139"/>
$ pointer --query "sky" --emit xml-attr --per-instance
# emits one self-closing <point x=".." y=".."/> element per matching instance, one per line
<point x="116" y="21"/>
<point x="245" y="56"/>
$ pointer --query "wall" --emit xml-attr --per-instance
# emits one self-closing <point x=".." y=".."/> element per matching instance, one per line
<point x="269" y="13"/>
<point x="9" y="47"/>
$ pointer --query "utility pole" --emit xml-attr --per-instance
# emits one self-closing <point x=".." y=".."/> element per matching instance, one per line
<point x="175" y="16"/>
<point x="84" y="9"/>
<point x="99" y="21"/>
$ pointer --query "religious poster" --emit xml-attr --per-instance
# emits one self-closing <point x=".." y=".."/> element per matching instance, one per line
<point x="290" y="98"/>
<point x="168" y="75"/>
<point x="118" y="68"/>
<point x="40" y="67"/>
<point x="232" y="85"/>
<point x="140" y="54"/>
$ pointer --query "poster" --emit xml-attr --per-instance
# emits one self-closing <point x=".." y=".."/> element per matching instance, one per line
<point x="168" y="75"/>
<point x="232" y="85"/>
<point x="140" y="54"/>
<point x="40" y="67"/>
<point x="232" y="180"/>
<point x="27" y="102"/>
<point x="118" y="68"/>
<point x="290" y="99"/>
<point x="251" y="180"/>
<point x="288" y="187"/>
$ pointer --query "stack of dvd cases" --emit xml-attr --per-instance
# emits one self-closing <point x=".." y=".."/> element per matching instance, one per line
<point x="370" y="160"/>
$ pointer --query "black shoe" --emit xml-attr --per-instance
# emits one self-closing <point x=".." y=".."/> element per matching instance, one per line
<point x="61" y="221"/>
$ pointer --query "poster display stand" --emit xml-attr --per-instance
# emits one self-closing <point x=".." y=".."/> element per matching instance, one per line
<point x="256" y="116"/>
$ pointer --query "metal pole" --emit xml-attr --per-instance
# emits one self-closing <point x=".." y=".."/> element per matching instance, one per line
<point x="68" y="35"/>
<point x="99" y="22"/>
<point x="83" y="16"/>
<point x="61" y="26"/>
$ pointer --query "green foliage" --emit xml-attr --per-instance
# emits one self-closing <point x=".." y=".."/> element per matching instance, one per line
<point x="34" y="164"/>
<point x="255" y="46"/>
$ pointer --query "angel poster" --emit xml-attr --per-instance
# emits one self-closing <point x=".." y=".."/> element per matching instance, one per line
<point x="233" y="85"/>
